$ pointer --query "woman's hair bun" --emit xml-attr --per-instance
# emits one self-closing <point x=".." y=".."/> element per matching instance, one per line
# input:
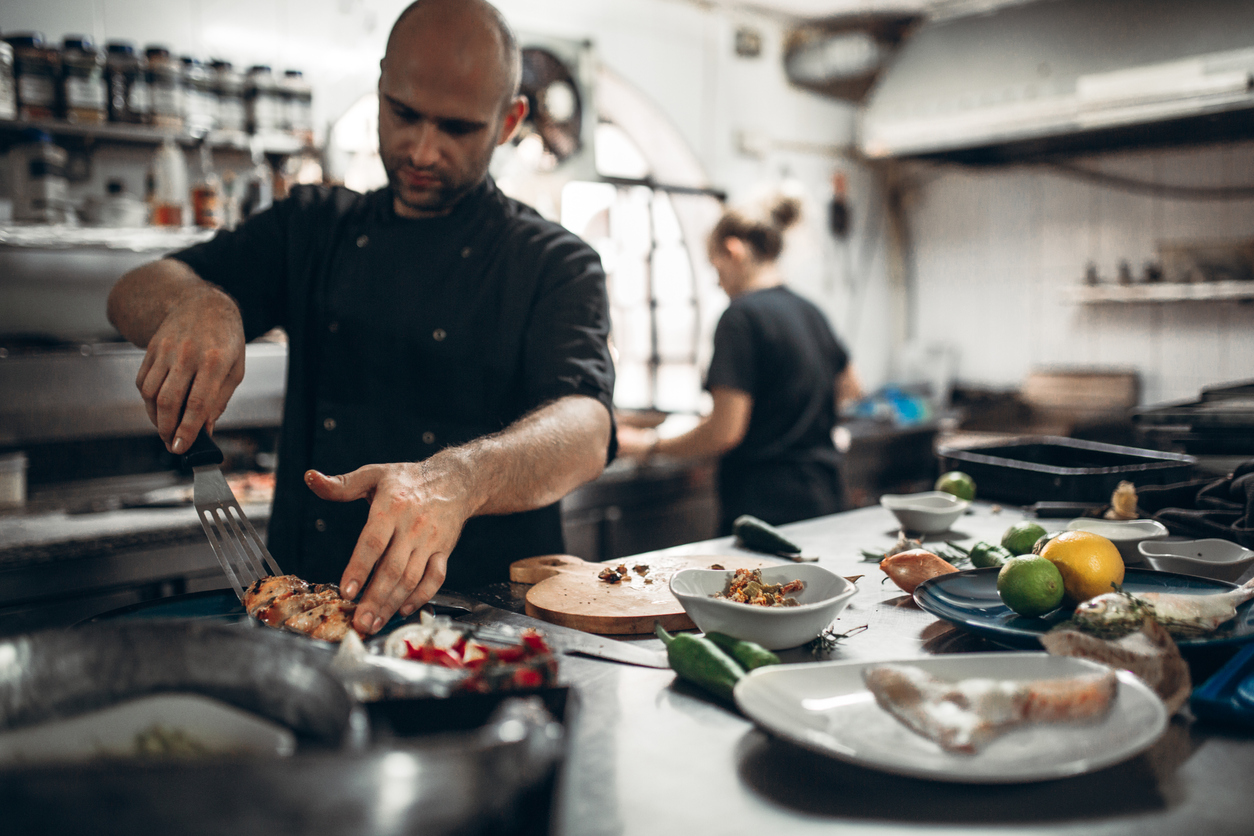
<point x="784" y="211"/>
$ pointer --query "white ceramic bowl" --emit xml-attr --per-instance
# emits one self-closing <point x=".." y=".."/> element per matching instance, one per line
<point x="824" y="596"/>
<point x="929" y="512"/>
<point x="1127" y="535"/>
<point x="1212" y="558"/>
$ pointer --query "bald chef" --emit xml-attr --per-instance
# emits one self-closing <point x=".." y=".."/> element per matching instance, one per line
<point x="448" y="347"/>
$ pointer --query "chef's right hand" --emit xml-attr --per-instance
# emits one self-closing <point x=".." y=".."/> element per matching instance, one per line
<point x="192" y="365"/>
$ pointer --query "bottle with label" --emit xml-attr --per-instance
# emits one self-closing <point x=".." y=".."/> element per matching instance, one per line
<point x="207" y="193"/>
<point x="229" y="87"/>
<point x="83" y="87"/>
<point x="263" y="101"/>
<point x="127" y="75"/>
<point x="259" y="186"/>
<point x="298" y="106"/>
<point x="8" y="83"/>
<point x="200" y="98"/>
<point x="165" y="87"/>
<point x="169" y="185"/>
<point x="38" y="71"/>
<point x="37" y="179"/>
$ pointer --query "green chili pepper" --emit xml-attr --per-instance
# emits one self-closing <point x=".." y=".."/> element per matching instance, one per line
<point x="747" y="654"/>
<point x="984" y="555"/>
<point x="700" y="661"/>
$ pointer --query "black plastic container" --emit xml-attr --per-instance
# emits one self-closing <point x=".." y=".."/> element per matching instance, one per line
<point x="1054" y="469"/>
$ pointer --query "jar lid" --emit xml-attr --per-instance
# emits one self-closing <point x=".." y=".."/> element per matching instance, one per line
<point x="81" y="42"/>
<point x="25" y="38"/>
<point x="219" y="64"/>
<point x="257" y="69"/>
<point x="293" y="73"/>
<point x="120" y="48"/>
<point x="153" y="51"/>
<point x="189" y="61"/>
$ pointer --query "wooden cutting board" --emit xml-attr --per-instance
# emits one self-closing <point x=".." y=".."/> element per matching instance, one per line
<point x="567" y="591"/>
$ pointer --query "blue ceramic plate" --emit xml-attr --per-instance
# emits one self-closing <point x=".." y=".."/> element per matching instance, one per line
<point x="970" y="600"/>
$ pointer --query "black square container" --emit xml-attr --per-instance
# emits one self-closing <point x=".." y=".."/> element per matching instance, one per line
<point x="1054" y="469"/>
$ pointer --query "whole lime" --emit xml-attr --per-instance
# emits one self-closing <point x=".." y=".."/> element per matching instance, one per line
<point x="1021" y="537"/>
<point x="957" y="483"/>
<point x="1030" y="585"/>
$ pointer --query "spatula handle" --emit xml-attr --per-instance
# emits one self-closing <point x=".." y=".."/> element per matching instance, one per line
<point x="204" y="451"/>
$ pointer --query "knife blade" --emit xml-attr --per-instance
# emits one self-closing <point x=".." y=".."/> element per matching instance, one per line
<point x="563" y="639"/>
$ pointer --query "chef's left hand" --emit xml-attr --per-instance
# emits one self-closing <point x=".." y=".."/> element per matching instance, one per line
<point x="417" y="511"/>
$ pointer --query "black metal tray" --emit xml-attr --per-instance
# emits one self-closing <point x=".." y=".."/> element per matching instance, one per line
<point x="1055" y="469"/>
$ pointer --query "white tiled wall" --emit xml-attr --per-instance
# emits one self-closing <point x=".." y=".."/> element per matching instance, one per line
<point x="996" y="249"/>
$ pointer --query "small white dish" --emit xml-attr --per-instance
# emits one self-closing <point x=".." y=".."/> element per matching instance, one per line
<point x="929" y="512"/>
<point x="1127" y="535"/>
<point x="775" y="628"/>
<point x="826" y="707"/>
<point x="1222" y="560"/>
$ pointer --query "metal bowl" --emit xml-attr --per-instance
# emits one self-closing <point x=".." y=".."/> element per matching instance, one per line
<point x="281" y="678"/>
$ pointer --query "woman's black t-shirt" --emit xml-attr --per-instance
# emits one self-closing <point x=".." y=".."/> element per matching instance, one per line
<point x="778" y="348"/>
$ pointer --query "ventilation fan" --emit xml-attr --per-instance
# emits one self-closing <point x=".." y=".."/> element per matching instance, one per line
<point x="556" y="106"/>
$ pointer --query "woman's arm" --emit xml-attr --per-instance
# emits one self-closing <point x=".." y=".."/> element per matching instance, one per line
<point x="718" y="432"/>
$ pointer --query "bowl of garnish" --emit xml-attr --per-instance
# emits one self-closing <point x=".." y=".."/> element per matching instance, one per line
<point x="928" y="512"/>
<point x="1127" y="535"/>
<point x="1222" y="560"/>
<point x="776" y="606"/>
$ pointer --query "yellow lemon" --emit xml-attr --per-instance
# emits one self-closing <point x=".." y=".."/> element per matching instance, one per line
<point x="1089" y="563"/>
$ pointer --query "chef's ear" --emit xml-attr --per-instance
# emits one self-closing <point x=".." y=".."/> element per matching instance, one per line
<point x="515" y="113"/>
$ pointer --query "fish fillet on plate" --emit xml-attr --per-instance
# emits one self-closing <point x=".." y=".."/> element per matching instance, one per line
<point x="965" y="715"/>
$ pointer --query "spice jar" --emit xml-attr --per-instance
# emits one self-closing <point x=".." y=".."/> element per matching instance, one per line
<point x="229" y="86"/>
<point x="38" y="70"/>
<point x="127" y="75"/>
<point x="298" y="106"/>
<point x="165" y="87"/>
<point x="83" y="87"/>
<point x="37" y="179"/>
<point x="200" y="99"/>
<point x="263" y="102"/>
<point x="8" y="85"/>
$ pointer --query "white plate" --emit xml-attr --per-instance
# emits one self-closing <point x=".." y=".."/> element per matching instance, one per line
<point x="218" y="728"/>
<point x="824" y="706"/>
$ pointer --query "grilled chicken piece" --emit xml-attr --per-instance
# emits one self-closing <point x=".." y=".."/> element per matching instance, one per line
<point x="264" y="591"/>
<point x="329" y="621"/>
<point x="278" y="611"/>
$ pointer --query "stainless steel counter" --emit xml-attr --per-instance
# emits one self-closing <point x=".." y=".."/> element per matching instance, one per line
<point x="651" y="756"/>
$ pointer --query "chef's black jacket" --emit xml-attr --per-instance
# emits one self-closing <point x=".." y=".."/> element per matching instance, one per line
<point x="407" y="336"/>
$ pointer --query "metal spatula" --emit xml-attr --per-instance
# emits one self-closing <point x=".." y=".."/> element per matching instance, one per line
<point x="234" y="541"/>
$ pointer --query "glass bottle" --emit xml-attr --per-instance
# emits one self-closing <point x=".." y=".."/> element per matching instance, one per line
<point x="38" y="71"/>
<point x="229" y="86"/>
<point x="8" y="83"/>
<point x="37" y="179"/>
<point x="298" y="106"/>
<point x="165" y="87"/>
<point x="83" y="87"/>
<point x="200" y="98"/>
<point x="127" y="74"/>
<point x="169" y="184"/>
<point x="262" y="99"/>
<point x="207" y="193"/>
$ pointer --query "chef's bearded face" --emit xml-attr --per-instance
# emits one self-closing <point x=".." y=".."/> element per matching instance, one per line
<point x="447" y="98"/>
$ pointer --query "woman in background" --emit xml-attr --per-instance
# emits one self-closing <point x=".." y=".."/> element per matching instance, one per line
<point x="777" y="376"/>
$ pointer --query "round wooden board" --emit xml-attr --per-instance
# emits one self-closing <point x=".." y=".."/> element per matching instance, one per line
<point x="567" y="591"/>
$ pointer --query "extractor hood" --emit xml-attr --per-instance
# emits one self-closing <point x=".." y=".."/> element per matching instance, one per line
<point x="1063" y="76"/>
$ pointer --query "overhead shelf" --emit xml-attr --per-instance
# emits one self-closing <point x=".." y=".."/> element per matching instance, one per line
<point x="271" y="143"/>
<point x="1163" y="292"/>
